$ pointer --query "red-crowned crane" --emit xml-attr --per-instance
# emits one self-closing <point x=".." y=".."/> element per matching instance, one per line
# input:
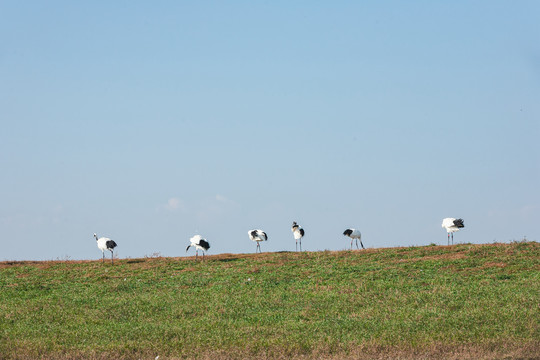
<point x="354" y="234"/>
<point x="257" y="236"/>
<point x="103" y="244"/>
<point x="298" y="233"/>
<point x="452" y="225"/>
<point x="198" y="243"/>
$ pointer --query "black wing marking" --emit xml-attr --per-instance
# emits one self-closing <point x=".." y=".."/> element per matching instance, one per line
<point x="347" y="232"/>
<point x="302" y="232"/>
<point x="204" y="244"/>
<point x="459" y="223"/>
<point x="110" y="244"/>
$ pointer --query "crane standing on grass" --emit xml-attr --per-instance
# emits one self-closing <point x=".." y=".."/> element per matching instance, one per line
<point x="257" y="236"/>
<point x="298" y="233"/>
<point x="198" y="243"/>
<point x="452" y="225"/>
<point x="354" y="234"/>
<point x="103" y="244"/>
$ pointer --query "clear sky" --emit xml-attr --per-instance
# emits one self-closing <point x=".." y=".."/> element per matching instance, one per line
<point x="151" y="121"/>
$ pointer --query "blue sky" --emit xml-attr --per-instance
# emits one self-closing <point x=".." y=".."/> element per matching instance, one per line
<point x="149" y="122"/>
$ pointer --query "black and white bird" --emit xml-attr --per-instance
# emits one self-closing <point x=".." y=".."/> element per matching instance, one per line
<point x="452" y="225"/>
<point x="103" y="244"/>
<point x="298" y="233"/>
<point x="354" y="234"/>
<point x="198" y="243"/>
<point x="257" y="236"/>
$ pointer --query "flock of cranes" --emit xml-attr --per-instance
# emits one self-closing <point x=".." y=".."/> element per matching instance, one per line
<point x="199" y="243"/>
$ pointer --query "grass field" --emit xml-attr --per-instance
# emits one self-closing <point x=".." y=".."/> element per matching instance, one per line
<point x="454" y="302"/>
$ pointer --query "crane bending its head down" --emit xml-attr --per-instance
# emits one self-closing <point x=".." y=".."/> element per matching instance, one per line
<point x="354" y="234"/>
<point x="452" y="225"/>
<point x="198" y="243"/>
<point x="257" y="235"/>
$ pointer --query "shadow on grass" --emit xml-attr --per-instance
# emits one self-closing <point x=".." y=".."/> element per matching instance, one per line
<point x="135" y="261"/>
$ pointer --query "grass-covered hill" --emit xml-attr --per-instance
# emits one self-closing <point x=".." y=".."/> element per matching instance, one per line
<point x="453" y="302"/>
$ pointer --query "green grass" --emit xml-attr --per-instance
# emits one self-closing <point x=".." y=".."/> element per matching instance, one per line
<point x="463" y="301"/>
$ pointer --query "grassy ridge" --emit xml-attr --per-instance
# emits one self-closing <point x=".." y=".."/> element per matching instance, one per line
<point x="459" y="301"/>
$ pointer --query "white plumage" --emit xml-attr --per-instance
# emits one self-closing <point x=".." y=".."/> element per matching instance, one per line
<point x="198" y="242"/>
<point x="452" y="225"/>
<point x="104" y="243"/>
<point x="257" y="235"/>
<point x="354" y="234"/>
<point x="298" y="233"/>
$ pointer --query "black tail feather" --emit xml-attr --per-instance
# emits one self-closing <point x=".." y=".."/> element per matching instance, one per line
<point x="459" y="223"/>
<point x="204" y="244"/>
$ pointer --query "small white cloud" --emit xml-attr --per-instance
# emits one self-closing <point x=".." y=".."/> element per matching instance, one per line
<point x="214" y="207"/>
<point x="173" y="204"/>
<point x="221" y="198"/>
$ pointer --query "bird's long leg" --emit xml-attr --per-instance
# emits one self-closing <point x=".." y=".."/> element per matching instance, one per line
<point x="351" y="243"/>
<point x="296" y="245"/>
<point x="452" y="238"/>
<point x="196" y="254"/>
<point x="112" y="258"/>
<point x="362" y="244"/>
<point x="448" y="238"/>
<point x="357" y="244"/>
<point x="300" y="245"/>
<point x="103" y="258"/>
